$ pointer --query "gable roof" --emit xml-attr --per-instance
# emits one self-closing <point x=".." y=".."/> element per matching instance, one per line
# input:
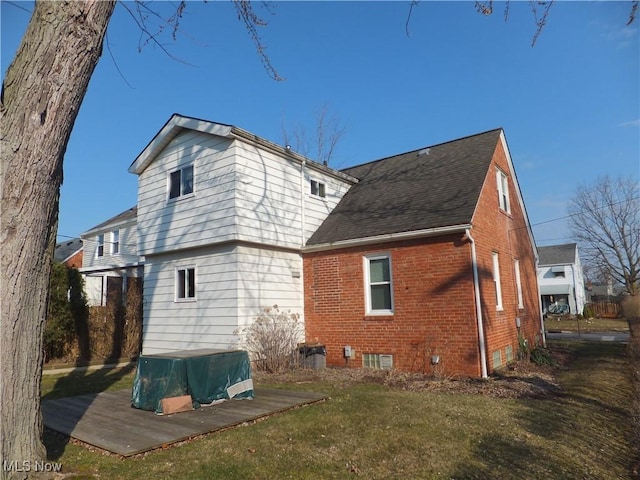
<point x="66" y="249"/>
<point x="557" y="254"/>
<point x="432" y="188"/>
<point x="179" y="123"/>
<point x="119" y="219"/>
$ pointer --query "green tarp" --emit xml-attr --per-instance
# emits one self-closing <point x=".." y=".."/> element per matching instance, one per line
<point x="207" y="375"/>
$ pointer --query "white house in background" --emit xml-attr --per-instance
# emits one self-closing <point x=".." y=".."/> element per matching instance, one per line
<point x="222" y="218"/>
<point x="110" y="258"/>
<point x="560" y="277"/>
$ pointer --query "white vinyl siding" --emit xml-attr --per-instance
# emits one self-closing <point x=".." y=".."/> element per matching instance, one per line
<point x="127" y="248"/>
<point x="503" y="191"/>
<point x="233" y="284"/>
<point x="208" y="323"/>
<point x="241" y="193"/>
<point x="496" y="280"/>
<point x="378" y="285"/>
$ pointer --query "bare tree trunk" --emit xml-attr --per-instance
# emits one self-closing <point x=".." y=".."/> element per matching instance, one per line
<point x="41" y="95"/>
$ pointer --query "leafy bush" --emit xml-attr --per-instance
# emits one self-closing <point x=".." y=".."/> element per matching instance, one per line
<point x="272" y="339"/>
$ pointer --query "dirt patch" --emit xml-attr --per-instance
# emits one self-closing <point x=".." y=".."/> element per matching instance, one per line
<point x="516" y="381"/>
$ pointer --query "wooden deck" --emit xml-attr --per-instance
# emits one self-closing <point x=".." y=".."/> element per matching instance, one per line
<point x="108" y="421"/>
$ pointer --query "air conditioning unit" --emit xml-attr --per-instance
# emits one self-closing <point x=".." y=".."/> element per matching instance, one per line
<point x="386" y="362"/>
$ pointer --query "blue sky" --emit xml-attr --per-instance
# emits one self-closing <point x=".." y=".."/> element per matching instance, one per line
<point x="570" y="106"/>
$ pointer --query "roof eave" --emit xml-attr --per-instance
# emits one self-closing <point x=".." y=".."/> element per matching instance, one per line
<point x="389" y="237"/>
<point x="168" y="132"/>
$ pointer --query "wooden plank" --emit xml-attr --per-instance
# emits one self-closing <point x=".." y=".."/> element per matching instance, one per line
<point x="108" y="421"/>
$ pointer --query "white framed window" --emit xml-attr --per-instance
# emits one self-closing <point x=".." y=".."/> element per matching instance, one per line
<point x="503" y="191"/>
<point x="518" y="284"/>
<point x="100" y="249"/>
<point x="318" y="189"/>
<point x="181" y="182"/>
<point x="496" y="280"/>
<point x="379" y="288"/>
<point x="115" y="242"/>
<point x="185" y="283"/>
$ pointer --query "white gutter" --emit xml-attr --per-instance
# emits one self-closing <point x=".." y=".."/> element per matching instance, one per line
<point x="388" y="237"/>
<point x="476" y="285"/>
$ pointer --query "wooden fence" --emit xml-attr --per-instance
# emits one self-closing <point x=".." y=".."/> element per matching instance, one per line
<point x="603" y="309"/>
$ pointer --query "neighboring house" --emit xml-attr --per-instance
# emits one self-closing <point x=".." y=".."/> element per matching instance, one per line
<point x="69" y="252"/>
<point x="428" y="259"/>
<point x="111" y="258"/>
<point x="223" y="216"/>
<point x="561" y="279"/>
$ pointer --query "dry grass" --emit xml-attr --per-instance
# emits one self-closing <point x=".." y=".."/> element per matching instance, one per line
<point x="569" y="421"/>
<point x="566" y="323"/>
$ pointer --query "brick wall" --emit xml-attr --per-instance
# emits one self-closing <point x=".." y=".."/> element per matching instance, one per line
<point x="434" y="308"/>
<point x="434" y="304"/>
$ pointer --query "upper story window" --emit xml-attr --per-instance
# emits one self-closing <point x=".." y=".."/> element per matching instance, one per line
<point x="379" y="290"/>
<point x="181" y="182"/>
<point x="318" y="189"/>
<point x="100" y="251"/>
<point x="558" y="272"/>
<point x="115" y="242"/>
<point x="503" y="191"/>
<point x="185" y="283"/>
<point x="496" y="280"/>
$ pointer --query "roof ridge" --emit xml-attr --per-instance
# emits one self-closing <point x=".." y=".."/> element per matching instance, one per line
<point x="422" y="148"/>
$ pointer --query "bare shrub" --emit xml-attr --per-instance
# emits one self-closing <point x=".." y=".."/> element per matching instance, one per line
<point x="272" y="339"/>
<point x="631" y="306"/>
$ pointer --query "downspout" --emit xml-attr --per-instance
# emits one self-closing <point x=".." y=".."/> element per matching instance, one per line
<point x="476" y="287"/>
<point x="302" y="204"/>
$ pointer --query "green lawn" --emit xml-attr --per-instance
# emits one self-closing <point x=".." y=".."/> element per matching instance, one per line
<point x="372" y="430"/>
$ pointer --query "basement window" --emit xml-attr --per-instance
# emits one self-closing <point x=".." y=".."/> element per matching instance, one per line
<point x="377" y="361"/>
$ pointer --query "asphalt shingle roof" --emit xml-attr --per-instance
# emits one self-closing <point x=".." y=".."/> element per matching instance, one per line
<point x="126" y="215"/>
<point x="412" y="191"/>
<point x="65" y="249"/>
<point x="557" y="254"/>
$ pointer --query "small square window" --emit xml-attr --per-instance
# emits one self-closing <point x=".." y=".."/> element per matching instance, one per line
<point x="181" y="182"/>
<point x="318" y="189"/>
<point x="185" y="283"/>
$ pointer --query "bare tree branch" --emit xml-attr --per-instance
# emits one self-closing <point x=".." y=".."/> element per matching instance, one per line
<point x="406" y="25"/>
<point x="252" y="21"/>
<point x="632" y="14"/>
<point x="605" y="220"/>
<point x="542" y="21"/>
